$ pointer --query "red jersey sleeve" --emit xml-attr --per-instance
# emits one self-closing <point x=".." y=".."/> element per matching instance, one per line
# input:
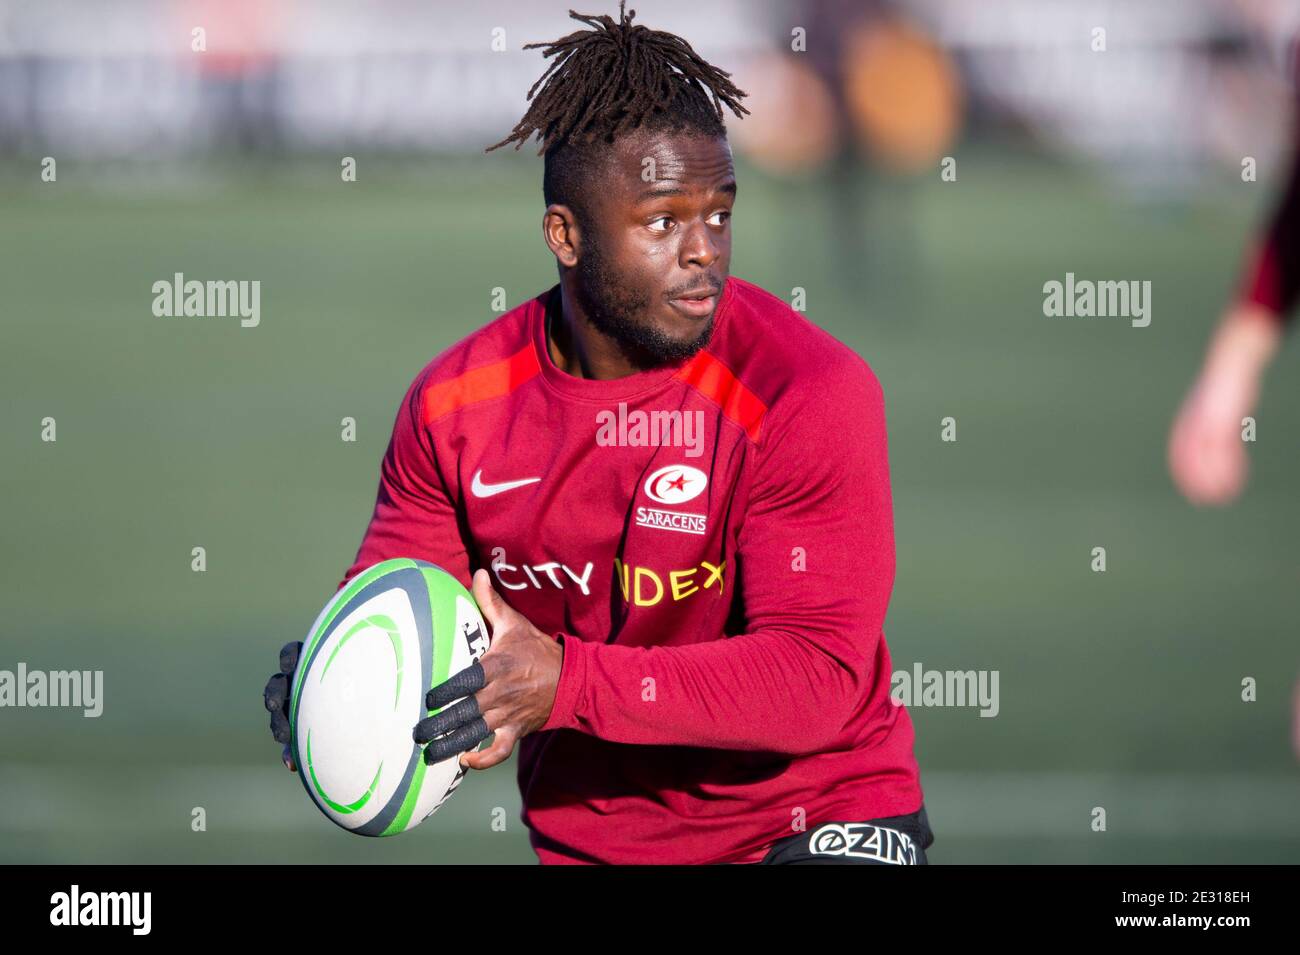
<point x="815" y="564"/>
<point x="414" y="514"/>
<point x="1271" y="277"/>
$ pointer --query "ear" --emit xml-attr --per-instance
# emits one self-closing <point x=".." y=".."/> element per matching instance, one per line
<point x="561" y="232"/>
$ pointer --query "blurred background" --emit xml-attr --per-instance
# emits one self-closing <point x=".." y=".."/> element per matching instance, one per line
<point x="208" y="139"/>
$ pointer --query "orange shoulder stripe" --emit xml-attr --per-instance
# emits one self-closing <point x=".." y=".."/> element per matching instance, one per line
<point x="715" y="381"/>
<point x="479" y="384"/>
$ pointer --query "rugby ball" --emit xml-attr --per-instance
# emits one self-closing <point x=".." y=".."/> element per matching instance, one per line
<point x="395" y="631"/>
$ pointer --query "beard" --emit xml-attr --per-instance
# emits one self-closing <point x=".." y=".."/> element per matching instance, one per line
<point x="617" y="309"/>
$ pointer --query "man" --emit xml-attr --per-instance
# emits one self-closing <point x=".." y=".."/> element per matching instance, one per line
<point x="689" y="649"/>
<point x="1207" y="456"/>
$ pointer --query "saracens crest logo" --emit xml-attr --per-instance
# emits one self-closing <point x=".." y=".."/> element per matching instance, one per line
<point x="673" y="484"/>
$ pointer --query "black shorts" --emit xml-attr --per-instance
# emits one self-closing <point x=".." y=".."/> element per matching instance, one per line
<point x="896" y="840"/>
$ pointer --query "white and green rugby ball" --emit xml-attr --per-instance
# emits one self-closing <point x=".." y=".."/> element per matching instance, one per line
<point x="397" y="630"/>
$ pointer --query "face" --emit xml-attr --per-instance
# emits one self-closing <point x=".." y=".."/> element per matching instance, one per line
<point x="652" y="262"/>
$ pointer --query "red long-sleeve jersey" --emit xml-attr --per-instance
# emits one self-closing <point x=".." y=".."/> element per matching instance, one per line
<point x="712" y="541"/>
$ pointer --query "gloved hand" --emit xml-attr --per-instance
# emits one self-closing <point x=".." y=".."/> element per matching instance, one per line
<point x="276" y="698"/>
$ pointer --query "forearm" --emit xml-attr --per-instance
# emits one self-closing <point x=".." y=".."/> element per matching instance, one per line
<point x="772" y="690"/>
<point x="1246" y="339"/>
<point x="1240" y="351"/>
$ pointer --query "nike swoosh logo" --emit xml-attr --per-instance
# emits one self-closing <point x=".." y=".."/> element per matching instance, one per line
<point x="487" y="490"/>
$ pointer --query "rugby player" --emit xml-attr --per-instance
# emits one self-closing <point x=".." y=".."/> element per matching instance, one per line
<point x="686" y="615"/>
<point x="1207" y="457"/>
<point x="1206" y="453"/>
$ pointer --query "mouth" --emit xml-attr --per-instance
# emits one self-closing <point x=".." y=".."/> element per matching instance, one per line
<point x="697" y="304"/>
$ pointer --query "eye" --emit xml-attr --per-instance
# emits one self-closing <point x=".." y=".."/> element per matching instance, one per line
<point x="665" y="219"/>
<point x="722" y="215"/>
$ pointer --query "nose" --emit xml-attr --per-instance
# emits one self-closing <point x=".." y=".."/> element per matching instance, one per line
<point x="700" y="246"/>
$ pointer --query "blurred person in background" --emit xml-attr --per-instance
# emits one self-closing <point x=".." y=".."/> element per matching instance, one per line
<point x="1207" y="455"/>
<point x="239" y="67"/>
<point x="862" y="96"/>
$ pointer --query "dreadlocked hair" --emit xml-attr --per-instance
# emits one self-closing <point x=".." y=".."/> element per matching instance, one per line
<point x="613" y="78"/>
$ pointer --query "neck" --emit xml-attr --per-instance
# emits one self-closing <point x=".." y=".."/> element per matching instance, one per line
<point x="577" y="347"/>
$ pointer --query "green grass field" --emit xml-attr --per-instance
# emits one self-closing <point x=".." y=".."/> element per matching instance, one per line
<point x="1120" y="690"/>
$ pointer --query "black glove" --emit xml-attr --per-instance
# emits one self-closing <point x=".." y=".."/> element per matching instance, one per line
<point x="457" y="729"/>
<point x="276" y="698"/>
